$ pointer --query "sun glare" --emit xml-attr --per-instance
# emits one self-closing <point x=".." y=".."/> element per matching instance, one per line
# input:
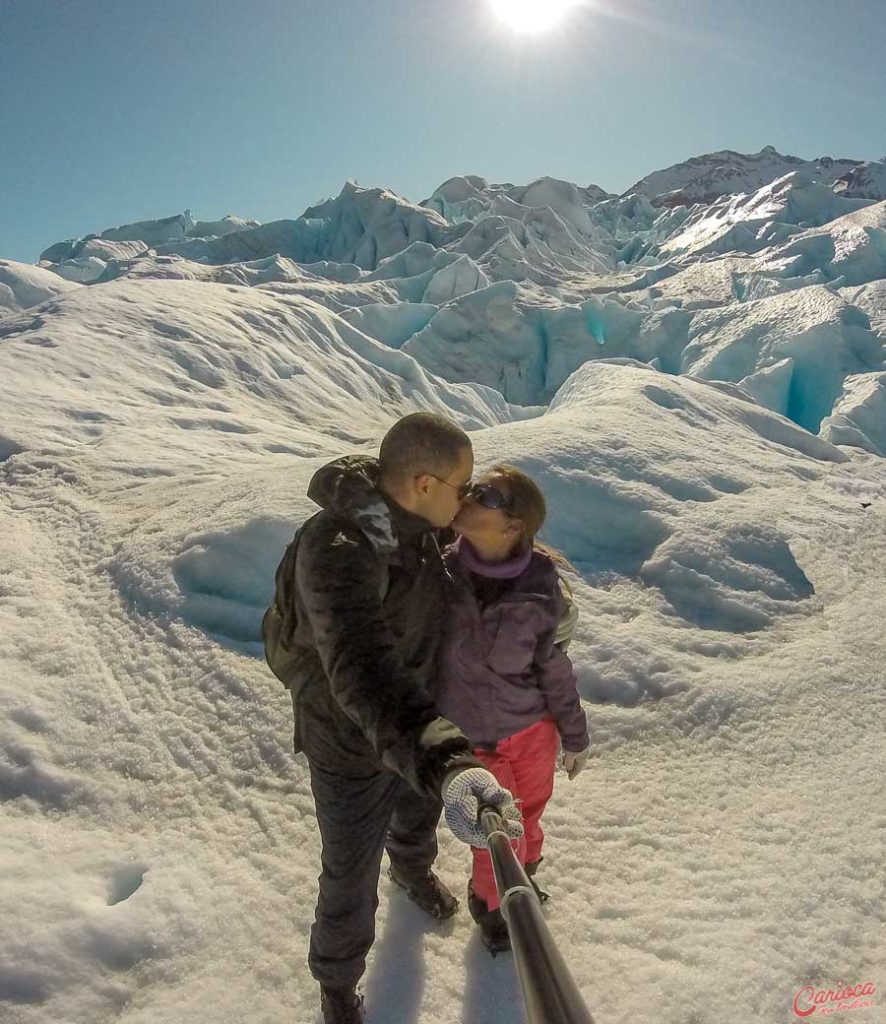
<point x="533" y="16"/>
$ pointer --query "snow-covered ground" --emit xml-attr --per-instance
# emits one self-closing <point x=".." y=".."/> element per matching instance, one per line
<point x="710" y="438"/>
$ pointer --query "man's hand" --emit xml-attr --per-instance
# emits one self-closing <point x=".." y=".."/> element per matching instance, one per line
<point x="464" y="791"/>
<point x="575" y="761"/>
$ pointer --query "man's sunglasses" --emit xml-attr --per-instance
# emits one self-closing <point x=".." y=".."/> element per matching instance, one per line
<point x="463" y="490"/>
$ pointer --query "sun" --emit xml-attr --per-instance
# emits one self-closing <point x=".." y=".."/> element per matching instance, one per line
<point x="533" y="16"/>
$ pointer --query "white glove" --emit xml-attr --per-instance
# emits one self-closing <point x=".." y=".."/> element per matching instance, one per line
<point x="574" y="762"/>
<point x="462" y="796"/>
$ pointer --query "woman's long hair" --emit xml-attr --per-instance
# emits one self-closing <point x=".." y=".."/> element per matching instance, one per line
<point x="529" y="507"/>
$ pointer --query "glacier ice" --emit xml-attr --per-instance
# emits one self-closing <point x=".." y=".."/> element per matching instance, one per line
<point x="23" y="285"/>
<point x="747" y="268"/>
<point x="393" y="323"/>
<point x="825" y="338"/>
<point x="858" y="418"/>
<point x="771" y="385"/>
<point x="85" y="269"/>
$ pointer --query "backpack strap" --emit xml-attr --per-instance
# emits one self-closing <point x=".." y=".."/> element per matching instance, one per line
<point x="280" y="622"/>
<point x="566" y="625"/>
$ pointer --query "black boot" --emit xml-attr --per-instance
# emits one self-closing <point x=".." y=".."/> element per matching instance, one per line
<point x="493" y="927"/>
<point x="427" y="892"/>
<point x="341" y="1005"/>
<point x="530" y="870"/>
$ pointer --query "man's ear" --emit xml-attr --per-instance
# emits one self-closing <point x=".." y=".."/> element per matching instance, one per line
<point x="422" y="483"/>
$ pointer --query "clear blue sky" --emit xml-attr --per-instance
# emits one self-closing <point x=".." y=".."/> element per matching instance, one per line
<point x="121" y="110"/>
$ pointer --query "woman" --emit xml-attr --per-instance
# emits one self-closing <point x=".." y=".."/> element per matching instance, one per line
<point x="504" y="681"/>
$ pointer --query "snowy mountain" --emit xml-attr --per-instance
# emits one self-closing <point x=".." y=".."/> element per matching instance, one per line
<point x="700" y="390"/>
<point x="866" y="181"/>
<point x="703" y="179"/>
<point x="750" y="223"/>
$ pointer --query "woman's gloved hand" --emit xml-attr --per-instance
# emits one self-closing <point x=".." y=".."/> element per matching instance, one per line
<point x="464" y="791"/>
<point x="575" y="761"/>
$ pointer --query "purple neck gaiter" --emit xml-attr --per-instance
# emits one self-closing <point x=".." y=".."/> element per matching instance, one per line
<point x="509" y="570"/>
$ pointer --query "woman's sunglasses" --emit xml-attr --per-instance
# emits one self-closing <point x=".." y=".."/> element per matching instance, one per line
<point x="489" y="496"/>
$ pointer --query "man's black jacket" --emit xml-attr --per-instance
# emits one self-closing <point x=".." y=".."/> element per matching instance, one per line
<point x="363" y="683"/>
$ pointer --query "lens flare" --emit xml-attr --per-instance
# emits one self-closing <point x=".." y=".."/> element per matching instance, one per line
<point x="533" y="16"/>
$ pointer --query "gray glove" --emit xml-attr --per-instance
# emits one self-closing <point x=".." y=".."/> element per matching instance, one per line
<point x="464" y="791"/>
<point x="574" y="762"/>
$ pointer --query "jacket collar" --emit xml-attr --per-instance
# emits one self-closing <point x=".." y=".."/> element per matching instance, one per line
<point x="537" y="581"/>
<point x="507" y="570"/>
<point x="348" y="487"/>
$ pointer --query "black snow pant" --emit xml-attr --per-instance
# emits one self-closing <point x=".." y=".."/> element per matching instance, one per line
<point x="360" y="813"/>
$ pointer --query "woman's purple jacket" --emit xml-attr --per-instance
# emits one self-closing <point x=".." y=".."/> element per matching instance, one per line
<point x="500" y="669"/>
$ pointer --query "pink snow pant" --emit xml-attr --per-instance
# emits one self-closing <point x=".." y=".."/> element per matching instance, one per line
<point x="523" y="763"/>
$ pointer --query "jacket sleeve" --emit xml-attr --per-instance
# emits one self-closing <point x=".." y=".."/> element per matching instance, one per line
<point x="338" y="579"/>
<point x="556" y="679"/>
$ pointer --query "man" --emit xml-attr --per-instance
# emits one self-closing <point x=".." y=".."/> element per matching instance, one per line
<point x="370" y="592"/>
